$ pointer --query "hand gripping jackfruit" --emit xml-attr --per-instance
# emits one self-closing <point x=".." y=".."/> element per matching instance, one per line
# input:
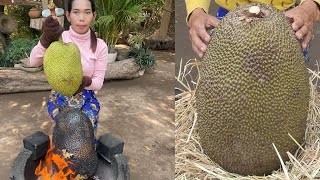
<point x="73" y="134"/>
<point x="253" y="91"/>
<point x="62" y="67"/>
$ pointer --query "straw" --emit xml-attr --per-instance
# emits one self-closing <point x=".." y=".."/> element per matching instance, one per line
<point x="192" y="163"/>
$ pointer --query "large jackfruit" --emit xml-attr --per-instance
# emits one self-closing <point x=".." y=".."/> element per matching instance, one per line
<point x="73" y="134"/>
<point x="253" y="91"/>
<point x="62" y="67"/>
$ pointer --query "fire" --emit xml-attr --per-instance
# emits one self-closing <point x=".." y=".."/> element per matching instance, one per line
<point x="45" y="169"/>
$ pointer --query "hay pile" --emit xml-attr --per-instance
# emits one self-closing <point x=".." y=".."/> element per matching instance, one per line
<point x="192" y="163"/>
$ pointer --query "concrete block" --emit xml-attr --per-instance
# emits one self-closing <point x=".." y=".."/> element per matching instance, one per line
<point x="38" y="143"/>
<point x="109" y="145"/>
<point x="123" y="167"/>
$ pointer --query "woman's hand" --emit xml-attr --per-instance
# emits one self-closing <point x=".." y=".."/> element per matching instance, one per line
<point x="303" y="18"/>
<point x="86" y="81"/>
<point x="199" y="22"/>
<point x="52" y="31"/>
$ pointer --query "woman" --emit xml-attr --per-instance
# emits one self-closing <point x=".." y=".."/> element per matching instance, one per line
<point x="81" y="13"/>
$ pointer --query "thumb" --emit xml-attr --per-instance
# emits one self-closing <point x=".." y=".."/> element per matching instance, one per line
<point x="212" y="21"/>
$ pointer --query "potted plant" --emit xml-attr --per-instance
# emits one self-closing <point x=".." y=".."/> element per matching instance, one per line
<point x="114" y="18"/>
<point x="34" y="12"/>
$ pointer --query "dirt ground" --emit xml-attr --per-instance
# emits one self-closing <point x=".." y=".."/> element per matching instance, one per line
<point x="139" y="111"/>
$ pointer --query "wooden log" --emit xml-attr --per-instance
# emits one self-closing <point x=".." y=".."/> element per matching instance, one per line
<point x="125" y="69"/>
<point x="12" y="81"/>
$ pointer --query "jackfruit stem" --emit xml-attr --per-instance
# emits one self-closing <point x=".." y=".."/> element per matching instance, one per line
<point x="254" y="10"/>
<point x="61" y="40"/>
<point x="252" y="13"/>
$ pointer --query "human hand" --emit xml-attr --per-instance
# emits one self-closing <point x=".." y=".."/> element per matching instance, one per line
<point x="199" y="22"/>
<point x="303" y="18"/>
<point x="86" y="81"/>
<point x="52" y="30"/>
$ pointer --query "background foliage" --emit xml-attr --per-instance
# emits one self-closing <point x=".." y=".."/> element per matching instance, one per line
<point x="115" y="17"/>
<point x="17" y="50"/>
<point x="23" y="20"/>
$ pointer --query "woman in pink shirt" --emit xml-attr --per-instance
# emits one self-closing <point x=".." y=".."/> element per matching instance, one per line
<point x="94" y="51"/>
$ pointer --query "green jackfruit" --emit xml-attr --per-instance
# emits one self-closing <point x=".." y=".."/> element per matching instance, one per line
<point x="62" y="67"/>
<point x="253" y="91"/>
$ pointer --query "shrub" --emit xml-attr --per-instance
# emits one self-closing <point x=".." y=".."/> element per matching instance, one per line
<point x="17" y="50"/>
<point x="136" y="40"/>
<point x="143" y="57"/>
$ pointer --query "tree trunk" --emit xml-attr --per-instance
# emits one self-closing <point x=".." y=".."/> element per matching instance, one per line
<point x="162" y="32"/>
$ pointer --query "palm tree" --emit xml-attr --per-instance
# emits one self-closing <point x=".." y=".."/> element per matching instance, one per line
<point x="114" y="17"/>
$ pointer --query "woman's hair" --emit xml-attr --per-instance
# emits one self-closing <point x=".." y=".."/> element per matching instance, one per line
<point x="93" y="38"/>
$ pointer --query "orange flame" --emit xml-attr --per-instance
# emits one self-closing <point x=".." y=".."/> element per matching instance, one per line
<point x="44" y="169"/>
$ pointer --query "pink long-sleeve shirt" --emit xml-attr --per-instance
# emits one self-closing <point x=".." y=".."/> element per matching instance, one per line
<point x="94" y="65"/>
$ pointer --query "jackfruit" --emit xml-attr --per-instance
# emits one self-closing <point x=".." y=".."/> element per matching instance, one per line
<point x="62" y="67"/>
<point x="73" y="137"/>
<point x="253" y="91"/>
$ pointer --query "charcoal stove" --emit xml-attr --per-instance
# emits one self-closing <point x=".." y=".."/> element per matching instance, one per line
<point x="113" y="164"/>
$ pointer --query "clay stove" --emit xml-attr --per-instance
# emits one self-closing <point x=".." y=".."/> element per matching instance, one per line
<point x="112" y="163"/>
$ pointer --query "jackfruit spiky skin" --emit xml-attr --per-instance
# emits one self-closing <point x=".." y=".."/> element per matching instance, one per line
<point x="253" y="92"/>
<point x="62" y="67"/>
<point x="74" y="133"/>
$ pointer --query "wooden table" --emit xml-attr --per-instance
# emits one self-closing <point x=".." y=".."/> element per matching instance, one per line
<point x="37" y="23"/>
